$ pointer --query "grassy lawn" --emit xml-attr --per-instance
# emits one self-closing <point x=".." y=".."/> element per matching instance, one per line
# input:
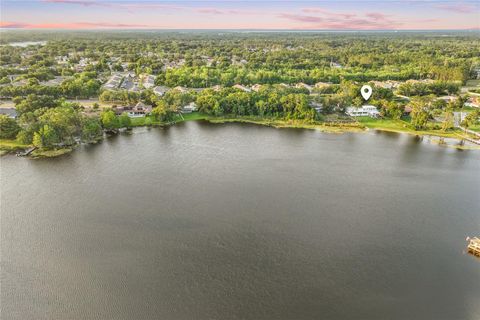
<point x="40" y="153"/>
<point x="7" y="146"/>
<point x="404" y="126"/>
<point x="192" y="116"/>
<point x="149" y="120"/>
<point x="475" y="128"/>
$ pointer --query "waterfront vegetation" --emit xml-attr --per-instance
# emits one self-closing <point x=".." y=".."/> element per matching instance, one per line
<point x="280" y="80"/>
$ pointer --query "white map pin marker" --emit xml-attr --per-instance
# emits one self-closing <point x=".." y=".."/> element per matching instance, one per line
<point x="366" y="92"/>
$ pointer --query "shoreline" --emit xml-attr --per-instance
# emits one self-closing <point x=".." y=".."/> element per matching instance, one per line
<point x="11" y="146"/>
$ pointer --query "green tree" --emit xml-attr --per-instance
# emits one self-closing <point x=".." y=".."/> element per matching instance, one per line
<point x="91" y="129"/>
<point x="45" y="138"/>
<point x="420" y="114"/>
<point x="109" y="120"/>
<point x="8" y="127"/>
<point x="125" y="121"/>
<point x="448" y="121"/>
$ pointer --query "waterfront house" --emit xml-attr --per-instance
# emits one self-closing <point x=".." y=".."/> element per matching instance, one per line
<point x="363" y="111"/>
<point x="121" y="109"/>
<point x="189" y="108"/>
<point x="140" y="110"/>
<point x="317" y="106"/>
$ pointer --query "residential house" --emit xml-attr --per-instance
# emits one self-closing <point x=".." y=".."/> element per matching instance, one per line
<point x="317" y="106"/>
<point x="121" y="109"/>
<point x="217" y="88"/>
<point x="189" y="108"/>
<point x="256" y="87"/>
<point x="181" y="89"/>
<point x="363" y="111"/>
<point x="304" y="85"/>
<point x="335" y="65"/>
<point x="149" y="81"/>
<point x="140" y="110"/>
<point x="114" y="81"/>
<point x="448" y="98"/>
<point x="160" y="90"/>
<point x="320" y="85"/>
<point x="242" y="87"/>
<point x="384" y="84"/>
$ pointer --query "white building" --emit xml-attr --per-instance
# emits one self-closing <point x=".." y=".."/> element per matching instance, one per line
<point x="189" y="108"/>
<point x="363" y="111"/>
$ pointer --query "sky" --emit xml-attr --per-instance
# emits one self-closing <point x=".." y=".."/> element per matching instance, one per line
<point x="249" y="14"/>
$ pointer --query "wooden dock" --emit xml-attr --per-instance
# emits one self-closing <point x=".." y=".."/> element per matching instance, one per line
<point x="474" y="246"/>
<point x="26" y="152"/>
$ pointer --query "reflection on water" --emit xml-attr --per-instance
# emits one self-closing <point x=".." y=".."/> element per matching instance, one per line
<point x="230" y="221"/>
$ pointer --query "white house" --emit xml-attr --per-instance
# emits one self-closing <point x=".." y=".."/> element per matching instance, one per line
<point x="140" y="110"/>
<point x="363" y="111"/>
<point x="189" y="108"/>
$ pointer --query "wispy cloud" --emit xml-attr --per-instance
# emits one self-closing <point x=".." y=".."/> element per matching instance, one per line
<point x="71" y="25"/>
<point x="326" y="19"/>
<point x="460" y="7"/>
<point x="323" y="11"/>
<point x="85" y="3"/>
<point x="131" y="6"/>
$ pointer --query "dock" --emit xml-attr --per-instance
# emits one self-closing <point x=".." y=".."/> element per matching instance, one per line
<point x="474" y="246"/>
<point x="26" y="152"/>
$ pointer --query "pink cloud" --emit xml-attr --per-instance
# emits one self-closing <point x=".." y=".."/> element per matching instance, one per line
<point x="72" y="25"/>
<point x="376" y="16"/>
<point x="85" y="3"/>
<point x="371" y="21"/>
<point x="12" y="25"/>
<point x="301" y="18"/>
<point x="457" y="7"/>
<point x="128" y="6"/>
<point x="328" y="12"/>
<point x="210" y="11"/>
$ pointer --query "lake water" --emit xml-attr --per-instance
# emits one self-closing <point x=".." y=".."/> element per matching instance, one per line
<point x="202" y="221"/>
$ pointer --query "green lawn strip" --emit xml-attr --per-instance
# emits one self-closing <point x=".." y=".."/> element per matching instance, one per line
<point x="12" y="145"/>
<point x="405" y="127"/>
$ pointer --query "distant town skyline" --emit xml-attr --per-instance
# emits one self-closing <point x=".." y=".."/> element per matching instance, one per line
<point x="296" y="15"/>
